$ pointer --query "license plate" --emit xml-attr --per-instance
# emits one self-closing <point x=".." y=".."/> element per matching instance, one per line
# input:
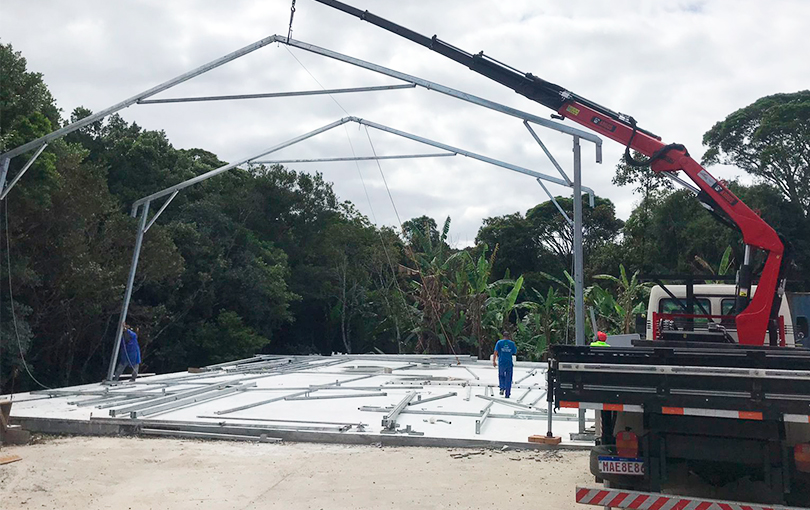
<point x="621" y="466"/>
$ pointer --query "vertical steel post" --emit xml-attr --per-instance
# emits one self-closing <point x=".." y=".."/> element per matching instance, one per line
<point x="4" y="172"/>
<point x="136" y="253"/>
<point x="579" y="293"/>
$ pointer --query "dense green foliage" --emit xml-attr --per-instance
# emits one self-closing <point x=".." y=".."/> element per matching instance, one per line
<point x="271" y="260"/>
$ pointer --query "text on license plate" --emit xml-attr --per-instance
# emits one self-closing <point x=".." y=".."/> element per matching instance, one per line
<point x="621" y="466"/>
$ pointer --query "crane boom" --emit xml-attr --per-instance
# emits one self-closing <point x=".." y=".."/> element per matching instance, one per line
<point x="756" y="316"/>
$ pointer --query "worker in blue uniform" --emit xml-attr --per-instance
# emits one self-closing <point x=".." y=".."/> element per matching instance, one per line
<point x="129" y="355"/>
<point x="502" y="358"/>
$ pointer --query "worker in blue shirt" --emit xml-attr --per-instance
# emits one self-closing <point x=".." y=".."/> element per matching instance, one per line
<point x="502" y="358"/>
<point x="129" y="355"/>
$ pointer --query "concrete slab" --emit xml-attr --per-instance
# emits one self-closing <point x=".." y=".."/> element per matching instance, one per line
<point x="248" y="399"/>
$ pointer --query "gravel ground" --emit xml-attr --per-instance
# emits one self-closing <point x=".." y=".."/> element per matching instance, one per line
<point x="134" y="473"/>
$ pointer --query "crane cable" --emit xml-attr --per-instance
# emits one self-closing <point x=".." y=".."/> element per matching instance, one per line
<point x="409" y="248"/>
<point x="11" y="300"/>
<point x="382" y="241"/>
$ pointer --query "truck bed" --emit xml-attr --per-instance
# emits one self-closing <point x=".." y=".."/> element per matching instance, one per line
<point x="761" y="383"/>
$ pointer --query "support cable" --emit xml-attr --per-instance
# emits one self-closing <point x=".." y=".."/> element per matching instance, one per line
<point x="11" y="300"/>
<point x="418" y="268"/>
<point x="360" y="173"/>
<point x="410" y="249"/>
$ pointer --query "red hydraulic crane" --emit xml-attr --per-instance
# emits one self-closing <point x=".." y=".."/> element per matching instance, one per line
<point x="755" y="316"/>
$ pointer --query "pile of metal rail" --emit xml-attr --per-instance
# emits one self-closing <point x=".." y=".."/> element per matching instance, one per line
<point x="408" y="380"/>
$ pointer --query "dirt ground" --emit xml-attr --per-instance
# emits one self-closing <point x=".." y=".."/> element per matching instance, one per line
<point x="134" y="474"/>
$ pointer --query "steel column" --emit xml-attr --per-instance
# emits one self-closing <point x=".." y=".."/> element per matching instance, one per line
<point x="136" y="253"/>
<point x="579" y="292"/>
<point x="4" y="172"/>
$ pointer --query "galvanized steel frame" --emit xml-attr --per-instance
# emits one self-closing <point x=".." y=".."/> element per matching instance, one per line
<point x="41" y="143"/>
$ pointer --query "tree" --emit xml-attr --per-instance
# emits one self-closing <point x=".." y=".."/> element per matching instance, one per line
<point x="553" y="232"/>
<point x="770" y="139"/>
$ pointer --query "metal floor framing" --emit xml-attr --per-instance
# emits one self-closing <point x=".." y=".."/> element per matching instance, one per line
<point x="360" y="399"/>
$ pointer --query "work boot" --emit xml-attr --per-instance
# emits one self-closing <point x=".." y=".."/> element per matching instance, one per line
<point x="501" y="391"/>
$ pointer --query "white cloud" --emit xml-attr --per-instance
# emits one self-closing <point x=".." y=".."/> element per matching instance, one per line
<point x="676" y="66"/>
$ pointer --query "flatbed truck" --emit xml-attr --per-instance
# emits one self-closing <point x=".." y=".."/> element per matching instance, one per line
<point x="693" y="402"/>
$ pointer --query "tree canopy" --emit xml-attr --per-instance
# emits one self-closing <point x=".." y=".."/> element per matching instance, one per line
<point x="768" y="139"/>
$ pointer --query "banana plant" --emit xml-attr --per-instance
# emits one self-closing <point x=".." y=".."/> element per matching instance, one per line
<point x="725" y="267"/>
<point x="543" y="324"/>
<point x="630" y="299"/>
<point x="498" y="308"/>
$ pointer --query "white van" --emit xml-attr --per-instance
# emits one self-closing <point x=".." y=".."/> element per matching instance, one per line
<point x="717" y="299"/>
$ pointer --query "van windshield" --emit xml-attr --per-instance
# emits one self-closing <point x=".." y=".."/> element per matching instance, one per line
<point x="670" y="305"/>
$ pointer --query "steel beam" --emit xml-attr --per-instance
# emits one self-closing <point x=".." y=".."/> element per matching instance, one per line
<point x="327" y="397"/>
<point x="179" y="404"/>
<point x="162" y="208"/>
<point x="277" y="94"/>
<point x="389" y="421"/>
<point x="431" y="399"/>
<point x="479" y="423"/>
<point x="554" y="201"/>
<point x="471" y="373"/>
<point x="20" y="173"/>
<point x="230" y="166"/>
<point x="168" y="398"/>
<point x="278" y="420"/>
<point x="261" y="403"/>
<point x="538" y="399"/>
<point x="469" y="154"/>
<point x="548" y="153"/>
<point x="359" y="158"/>
<point x="505" y="402"/>
<point x="208" y="435"/>
<point x="531" y="373"/>
<point x="447" y="91"/>
<point x="143" y="95"/>
<point x="519" y="415"/>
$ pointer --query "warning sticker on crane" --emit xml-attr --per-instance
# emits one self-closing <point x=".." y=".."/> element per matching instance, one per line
<point x="707" y="178"/>
<point x="572" y="110"/>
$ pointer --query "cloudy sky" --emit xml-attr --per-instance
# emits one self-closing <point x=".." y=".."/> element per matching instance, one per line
<point x="677" y="66"/>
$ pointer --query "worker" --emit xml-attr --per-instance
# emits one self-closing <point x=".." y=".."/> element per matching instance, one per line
<point x="502" y="358"/>
<point x="601" y="340"/>
<point x="129" y="355"/>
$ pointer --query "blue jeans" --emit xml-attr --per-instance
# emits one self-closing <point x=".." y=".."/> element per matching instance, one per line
<point x="505" y="379"/>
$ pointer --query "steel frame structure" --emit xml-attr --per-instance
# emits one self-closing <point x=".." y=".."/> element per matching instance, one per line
<point x="144" y="224"/>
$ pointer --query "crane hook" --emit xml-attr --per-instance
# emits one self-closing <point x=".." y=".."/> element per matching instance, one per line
<point x="292" y="14"/>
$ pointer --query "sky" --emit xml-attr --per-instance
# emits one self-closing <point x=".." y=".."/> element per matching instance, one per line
<point x="677" y="66"/>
